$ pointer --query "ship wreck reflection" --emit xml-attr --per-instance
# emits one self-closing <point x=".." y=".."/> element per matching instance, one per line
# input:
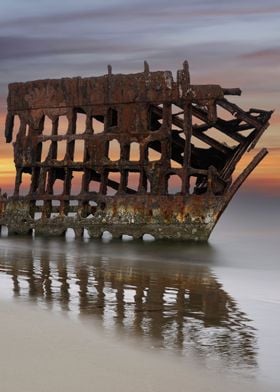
<point x="178" y="306"/>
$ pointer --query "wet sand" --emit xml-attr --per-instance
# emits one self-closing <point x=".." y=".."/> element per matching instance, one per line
<point x="42" y="352"/>
<point x="131" y="316"/>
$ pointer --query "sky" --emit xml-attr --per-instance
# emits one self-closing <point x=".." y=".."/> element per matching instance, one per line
<point x="234" y="44"/>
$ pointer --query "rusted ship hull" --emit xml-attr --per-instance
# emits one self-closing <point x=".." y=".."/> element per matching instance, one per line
<point x="172" y="217"/>
<point x="177" y="130"/>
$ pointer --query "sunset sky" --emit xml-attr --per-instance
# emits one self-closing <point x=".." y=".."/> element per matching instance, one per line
<point x="231" y="43"/>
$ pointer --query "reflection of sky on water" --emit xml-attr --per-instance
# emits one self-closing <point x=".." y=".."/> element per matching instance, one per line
<point x="162" y="292"/>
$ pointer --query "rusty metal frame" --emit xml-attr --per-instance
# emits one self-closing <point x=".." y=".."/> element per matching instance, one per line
<point x="150" y="109"/>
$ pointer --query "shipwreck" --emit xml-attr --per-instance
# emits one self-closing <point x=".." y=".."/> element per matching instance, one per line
<point x="130" y="154"/>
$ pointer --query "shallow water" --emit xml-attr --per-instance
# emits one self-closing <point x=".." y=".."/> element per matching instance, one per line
<point x="218" y="303"/>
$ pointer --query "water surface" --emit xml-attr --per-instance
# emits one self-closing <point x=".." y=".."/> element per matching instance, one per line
<point x="217" y="303"/>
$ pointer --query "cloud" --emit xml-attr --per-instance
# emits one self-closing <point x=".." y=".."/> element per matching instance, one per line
<point x="234" y="44"/>
<point x="218" y="62"/>
<point x="17" y="47"/>
<point x="146" y="11"/>
<point x="139" y="30"/>
<point x="269" y="55"/>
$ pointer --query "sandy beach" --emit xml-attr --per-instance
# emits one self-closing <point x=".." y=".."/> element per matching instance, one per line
<point x="42" y="352"/>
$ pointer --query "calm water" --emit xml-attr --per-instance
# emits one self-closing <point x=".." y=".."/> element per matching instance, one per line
<point x="218" y="303"/>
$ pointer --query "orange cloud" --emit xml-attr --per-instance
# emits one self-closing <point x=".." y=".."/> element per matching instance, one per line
<point x="266" y="176"/>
